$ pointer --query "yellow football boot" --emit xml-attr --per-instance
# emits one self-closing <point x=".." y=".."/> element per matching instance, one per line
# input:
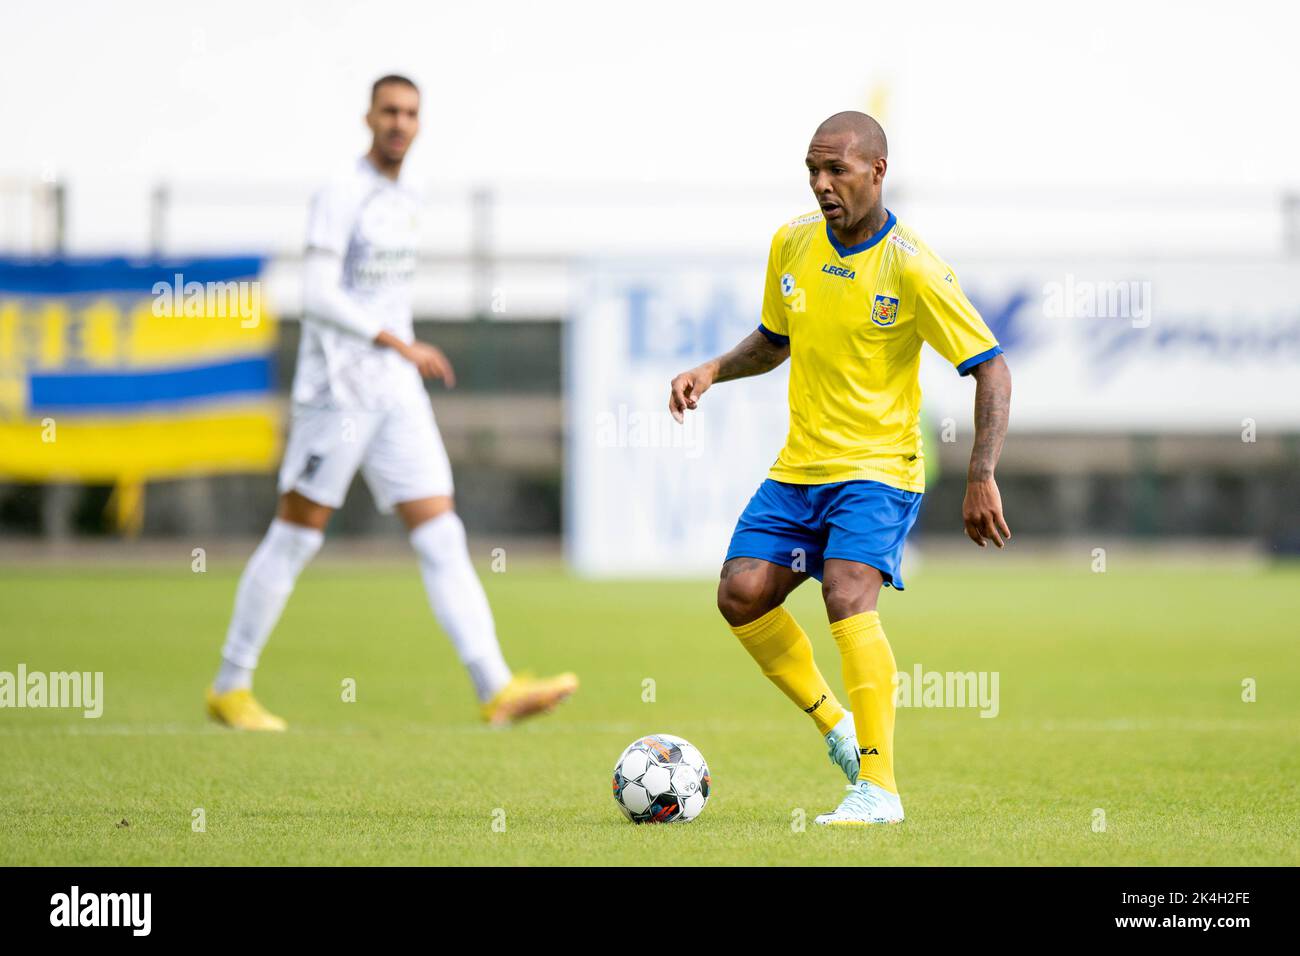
<point x="525" y="696"/>
<point x="240" y="709"/>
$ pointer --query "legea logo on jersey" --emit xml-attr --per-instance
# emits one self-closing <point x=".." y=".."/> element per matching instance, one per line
<point x="838" y="271"/>
<point x="884" y="311"/>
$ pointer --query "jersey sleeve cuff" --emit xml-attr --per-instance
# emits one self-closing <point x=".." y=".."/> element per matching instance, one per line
<point x="776" y="338"/>
<point x="965" y="367"/>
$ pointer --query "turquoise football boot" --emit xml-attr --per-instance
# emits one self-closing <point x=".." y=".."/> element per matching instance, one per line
<point x="864" y="805"/>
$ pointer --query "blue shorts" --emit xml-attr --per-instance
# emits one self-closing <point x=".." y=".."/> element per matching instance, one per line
<point x="800" y="526"/>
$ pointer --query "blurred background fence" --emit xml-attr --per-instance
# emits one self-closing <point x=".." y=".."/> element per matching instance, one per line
<point x="505" y="269"/>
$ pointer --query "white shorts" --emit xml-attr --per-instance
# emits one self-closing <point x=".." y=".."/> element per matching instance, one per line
<point x="398" y="450"/>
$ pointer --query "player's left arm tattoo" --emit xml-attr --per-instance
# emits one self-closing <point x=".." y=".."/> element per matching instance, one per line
<point x="981" y="511"/>
<point x="992" y="413"/>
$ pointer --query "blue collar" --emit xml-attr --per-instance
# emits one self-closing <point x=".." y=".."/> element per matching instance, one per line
<point x="844" y="250"/>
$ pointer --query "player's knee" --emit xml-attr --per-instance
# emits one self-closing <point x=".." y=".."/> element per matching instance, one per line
<point x="743" y="598"/>
<point x="847" y="595"/>
<point x="296" y="509"/>
<point x="416" y="513"/>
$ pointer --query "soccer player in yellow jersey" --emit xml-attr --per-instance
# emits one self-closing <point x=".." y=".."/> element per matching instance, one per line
<point x="851" y="294"/>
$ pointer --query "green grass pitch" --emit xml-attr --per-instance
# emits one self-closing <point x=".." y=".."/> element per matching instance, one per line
<point x="1119" y="692"/>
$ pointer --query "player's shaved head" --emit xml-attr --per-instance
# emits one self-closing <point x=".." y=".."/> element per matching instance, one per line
<point x="869" y="138"/>
<point x="846" y="162"/>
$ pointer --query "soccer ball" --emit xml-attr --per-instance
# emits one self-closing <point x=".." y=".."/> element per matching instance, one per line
<point x="661" y="779"/>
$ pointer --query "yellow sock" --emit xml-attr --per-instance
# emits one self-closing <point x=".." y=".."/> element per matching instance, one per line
<point x="869" y="681"/>
<point x="785" y="654"/>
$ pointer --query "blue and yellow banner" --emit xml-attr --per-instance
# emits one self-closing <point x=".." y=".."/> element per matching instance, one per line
<point x="123" y="370"/>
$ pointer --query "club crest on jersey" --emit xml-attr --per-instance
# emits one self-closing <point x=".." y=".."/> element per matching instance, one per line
<point x="787" y="285"/>
<point x="884" y="311"/>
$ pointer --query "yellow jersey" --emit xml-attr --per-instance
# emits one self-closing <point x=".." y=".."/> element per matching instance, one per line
<point x="855" y="318"/>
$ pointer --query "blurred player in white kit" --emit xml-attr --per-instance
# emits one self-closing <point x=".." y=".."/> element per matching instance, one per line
<point x="358" y="402"/>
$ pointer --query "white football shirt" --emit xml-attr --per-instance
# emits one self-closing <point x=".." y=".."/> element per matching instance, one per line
<point x="371" y="223"/>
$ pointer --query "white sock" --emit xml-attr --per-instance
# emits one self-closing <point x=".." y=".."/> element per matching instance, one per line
<point x="457" y="598"/>
<point x="264" y="589"/>
<point x="232" y="677"/>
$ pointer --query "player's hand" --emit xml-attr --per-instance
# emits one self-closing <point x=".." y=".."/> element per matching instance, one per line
<point x="430" y="362"/>
<point x="686" y="390"/>
<point x="982" y="513"/>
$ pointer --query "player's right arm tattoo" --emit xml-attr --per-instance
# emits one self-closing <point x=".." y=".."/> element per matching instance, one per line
<point x="992" y="412"/>
<point x="754" y="355"/>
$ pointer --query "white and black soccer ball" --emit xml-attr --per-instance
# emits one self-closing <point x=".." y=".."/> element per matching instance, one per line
<point x="661" y="779"/>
